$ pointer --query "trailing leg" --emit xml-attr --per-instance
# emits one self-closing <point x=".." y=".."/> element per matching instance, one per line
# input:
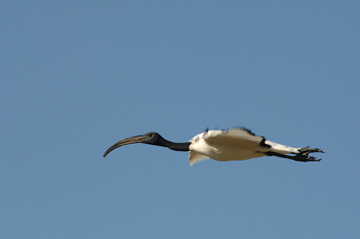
<point x="302" y="156"/>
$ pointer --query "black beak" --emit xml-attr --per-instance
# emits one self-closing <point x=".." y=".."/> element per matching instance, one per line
<point x="131" y="140"/>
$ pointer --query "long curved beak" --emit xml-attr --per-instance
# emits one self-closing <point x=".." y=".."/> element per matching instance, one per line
<point x="130" y="140"/>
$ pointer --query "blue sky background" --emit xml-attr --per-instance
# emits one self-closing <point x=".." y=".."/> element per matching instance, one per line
<point x="78" y="76"/>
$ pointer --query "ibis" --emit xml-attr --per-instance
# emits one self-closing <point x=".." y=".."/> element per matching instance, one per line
<point x="224" y="145"/>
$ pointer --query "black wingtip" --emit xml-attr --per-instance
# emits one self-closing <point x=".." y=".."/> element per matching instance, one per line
<point x="247" y="130"/>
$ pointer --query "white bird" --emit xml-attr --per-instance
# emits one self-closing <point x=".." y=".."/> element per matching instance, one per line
<point x="227" y="145"/>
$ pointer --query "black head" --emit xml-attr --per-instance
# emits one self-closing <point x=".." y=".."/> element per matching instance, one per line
<point x="148" y="138"/>
<point x="153" y="138"/>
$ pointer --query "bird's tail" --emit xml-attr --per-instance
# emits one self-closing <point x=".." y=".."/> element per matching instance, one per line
<point x="281" y="149"/>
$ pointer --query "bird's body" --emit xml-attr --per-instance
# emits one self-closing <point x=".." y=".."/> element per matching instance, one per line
<point x="229" y="145"/>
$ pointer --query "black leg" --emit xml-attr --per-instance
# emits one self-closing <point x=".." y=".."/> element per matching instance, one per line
<point x="302" y="156"/>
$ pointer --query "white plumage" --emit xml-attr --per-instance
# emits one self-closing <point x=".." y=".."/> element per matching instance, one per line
<point x="233" y="144"/>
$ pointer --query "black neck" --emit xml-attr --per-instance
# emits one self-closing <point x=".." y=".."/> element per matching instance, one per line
<point x="174" y="146"/>
<point x="178" y="146"/>
<point x="171" y="145"/>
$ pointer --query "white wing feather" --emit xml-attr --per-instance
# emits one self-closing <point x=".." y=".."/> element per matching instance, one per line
<point x="196" y="157"/>
<point x="234" y="136"/>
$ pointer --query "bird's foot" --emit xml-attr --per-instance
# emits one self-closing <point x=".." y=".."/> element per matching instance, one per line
<point x="304" y="156"/>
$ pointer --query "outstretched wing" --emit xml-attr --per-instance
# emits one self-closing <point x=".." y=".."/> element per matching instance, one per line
<point x="238" y="137"/>
<point x="245" y="139"/>
<point x="232" y="144"/>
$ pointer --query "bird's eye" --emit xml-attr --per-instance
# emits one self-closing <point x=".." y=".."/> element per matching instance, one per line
<point x="150" y="135"/>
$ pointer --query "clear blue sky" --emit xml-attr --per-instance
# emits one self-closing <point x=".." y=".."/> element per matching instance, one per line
<point x="77" y="76"/>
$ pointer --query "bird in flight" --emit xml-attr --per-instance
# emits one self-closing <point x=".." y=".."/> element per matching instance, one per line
<point x="224" y="145"/>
